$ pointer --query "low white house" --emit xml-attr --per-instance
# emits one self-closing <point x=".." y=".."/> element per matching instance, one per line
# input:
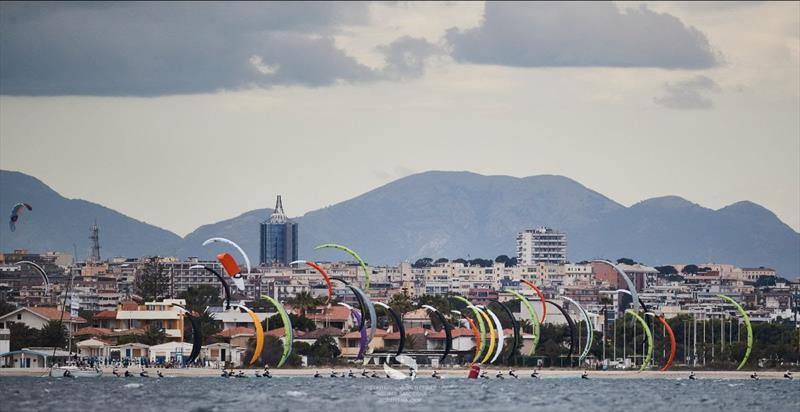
<point x="170" y="352"/>
<point x="220" y="353"/>
<point x="33" y="357"/>
<point x="129" y="351"/>
<point x="93" y="347"/>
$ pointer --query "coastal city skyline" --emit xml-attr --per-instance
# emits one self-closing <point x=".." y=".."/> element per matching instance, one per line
<point x="394" y="206"/>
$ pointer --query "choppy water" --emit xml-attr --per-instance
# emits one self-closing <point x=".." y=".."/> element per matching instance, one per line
<point x="344" y="394"/>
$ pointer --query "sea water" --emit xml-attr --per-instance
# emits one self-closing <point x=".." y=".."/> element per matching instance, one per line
<point x="385" y="395"/>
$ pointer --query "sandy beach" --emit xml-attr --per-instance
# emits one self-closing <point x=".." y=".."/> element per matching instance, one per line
<point x="455" y="372"/>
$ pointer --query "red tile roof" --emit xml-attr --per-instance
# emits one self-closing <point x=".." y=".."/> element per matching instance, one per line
<point x="55" y="314"/>
<point x="357" y="334"/>
<point x="456" y="332"/>
<point x="278" y="333"/>
<point x="237" y="331"/>
<point x="91" y="331"/>
<point x="318" y="333"/>
<point x="334" y="313"/>
<point x="106" y="314"/>
<point x="409" y="331"/>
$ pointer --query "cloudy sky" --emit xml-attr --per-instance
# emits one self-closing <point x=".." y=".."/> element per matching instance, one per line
<point x="186" y="114"/>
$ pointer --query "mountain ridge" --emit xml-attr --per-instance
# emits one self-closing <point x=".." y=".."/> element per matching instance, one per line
<point x="445" y="214"/>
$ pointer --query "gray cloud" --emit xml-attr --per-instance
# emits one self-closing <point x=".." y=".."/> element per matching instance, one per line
<point x="406" y="57"/>
<point x="172" y="48"/>
<point x="545" y="34"/>
<point x="689" y="94"/>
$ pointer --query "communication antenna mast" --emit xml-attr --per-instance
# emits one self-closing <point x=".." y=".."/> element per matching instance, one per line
<point x="95" y="238"/>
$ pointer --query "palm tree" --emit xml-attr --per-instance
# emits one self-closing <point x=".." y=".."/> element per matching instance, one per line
<point x="304" y="301"/>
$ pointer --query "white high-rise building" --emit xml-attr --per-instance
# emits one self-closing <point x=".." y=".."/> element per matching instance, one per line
<point x="541" y="245"/>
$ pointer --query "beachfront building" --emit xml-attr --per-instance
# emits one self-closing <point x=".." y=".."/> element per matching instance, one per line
<point x="170" y="352"/>
<point x="34" y="357"/>
<point x="37" y="317"/>
<point x="163" y="315"/>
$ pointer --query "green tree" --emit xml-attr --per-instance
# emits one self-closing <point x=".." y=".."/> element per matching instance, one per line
<point x="201" y="297"/>
<point x="422" y="263"/>
<point x="299" y="322"/>
<point x="153" y="336"/>
<point x="690" y="269"/>
<point x="22" y="336"/>
<point x="6" y="307"/>
<point x="441" y="260"/>
<point x="209" y="327"/>
<point x="53" y="334"/>
<point x="667" y="270"/>
<point x="437" y="301"/>
<point x="152" y="280"/>
<point x="401" y="303"/>
<point x="304" y="301"/>
<point x="502" y="259"/>
<point x="324" y="351"/>
<point x="626" y="261"/>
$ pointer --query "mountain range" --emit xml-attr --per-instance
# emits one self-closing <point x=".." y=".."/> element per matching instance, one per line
<point x="436" y="214"/>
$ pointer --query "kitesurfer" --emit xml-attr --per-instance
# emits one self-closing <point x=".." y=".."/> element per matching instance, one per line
<point x="115" y="372"/>
<point x="258" y="375"/>
<point x="413" y="373"/>
<point x="364" y="373"/>
<point x="266" y="372"/>
<point x="143" y="373"/>
<point x="224" y="373"/>
<point x="788" y="375"/>
<point x="535" y="374"/>
<point x="512" y="373"/>
<point x="499" y="375"/>
<point x="692" y="377"/>
<point x="436" y="375"/>
<point x="160" y="375"/>
<point x="334" y="374"/>
<point x="67" y="373"/>
<point x="374" y="375"/>
<point x="484" y="374"/>
<point x="128" y="373"/>
<point x="754" y="376"/>
<point x="585" y="375"/>
<point x="350" y="374"/>
<point x="317" y="375"/>
<point x="241" y="375"/>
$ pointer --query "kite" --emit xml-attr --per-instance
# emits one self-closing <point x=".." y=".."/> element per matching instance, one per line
<point x="649" y="337"/>
<point x="398" y="322"/>
<point x="225" y="286"/>
<point x="534" y="320"/>
<point x="448" y="343"/>
<point x="321" y="272"/>
<point x="353" y="254"/>
<point x="16" y="213"/>
<point x="287" y="329"/>
<point x="747" y="325"/>
<point x="588" y="322"/>
<point x="541" y="299"/>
